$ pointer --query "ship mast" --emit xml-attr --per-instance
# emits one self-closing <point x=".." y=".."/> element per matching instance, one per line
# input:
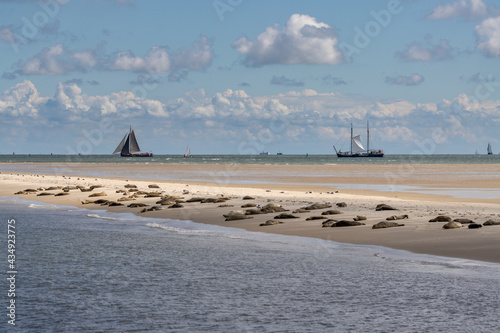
<point x="129" y="139"/>
<point x="351" y="138"/>
<point x="367" y="137"/>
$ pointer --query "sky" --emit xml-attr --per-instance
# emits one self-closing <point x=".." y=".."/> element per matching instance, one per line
<point x="242" y="77"/>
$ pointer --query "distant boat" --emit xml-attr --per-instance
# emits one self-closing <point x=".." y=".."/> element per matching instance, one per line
<point x="265" y="153"/>
<point x="357" y="149"/>
<point x="129" y="147"/>
<point x="490" y="152"/>
<point x="188" y="152"/>
<point x="280" y="153"/>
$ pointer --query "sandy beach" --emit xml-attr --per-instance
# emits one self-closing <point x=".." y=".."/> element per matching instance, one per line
<point x="223" y="189"/>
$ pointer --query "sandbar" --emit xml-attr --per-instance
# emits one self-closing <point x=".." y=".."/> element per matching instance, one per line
<point x="292" y="187"/>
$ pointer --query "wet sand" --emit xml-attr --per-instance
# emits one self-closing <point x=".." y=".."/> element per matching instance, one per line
<point x="293" y="187"/>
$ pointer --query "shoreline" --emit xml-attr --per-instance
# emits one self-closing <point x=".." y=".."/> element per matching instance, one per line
<point x="417" y="236"/>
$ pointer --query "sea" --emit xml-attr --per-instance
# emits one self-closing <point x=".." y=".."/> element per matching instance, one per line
<point x="256" y="159"/>
<point x="80" y="270"/>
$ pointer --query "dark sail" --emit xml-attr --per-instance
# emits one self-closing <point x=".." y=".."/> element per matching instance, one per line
<point x="121" y="145"/>
<point x="125" y="149"/>
<point x="134" y="146"/>
<point x="129" y="147"/>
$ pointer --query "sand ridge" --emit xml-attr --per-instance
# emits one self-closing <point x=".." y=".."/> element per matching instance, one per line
<point x="418" y="235"/>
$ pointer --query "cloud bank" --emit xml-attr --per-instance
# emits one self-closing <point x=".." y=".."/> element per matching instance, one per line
<point x="58" y="60"/>
<point x="227" y="119"/>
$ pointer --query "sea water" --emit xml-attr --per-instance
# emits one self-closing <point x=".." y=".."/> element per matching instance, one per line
<point x="254" y="159"/>
<point x="94" y="271"/>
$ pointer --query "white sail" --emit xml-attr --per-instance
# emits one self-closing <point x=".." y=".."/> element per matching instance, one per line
<point x="120" y="146"/>
<point x="357" y="146"/>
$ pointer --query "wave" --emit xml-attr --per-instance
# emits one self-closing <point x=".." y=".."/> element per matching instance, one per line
<point x="186" y="231"/>
<point x="47" y="206"/>
<point x="95" y="216"/>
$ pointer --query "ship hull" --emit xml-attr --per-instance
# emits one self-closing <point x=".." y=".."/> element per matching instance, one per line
<point x="137" y="155"/>
<point x="360" y="155"/>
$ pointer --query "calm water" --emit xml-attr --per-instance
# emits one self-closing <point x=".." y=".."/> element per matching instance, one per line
<point x="93" y="271"/>
<point x="256" y="159"/>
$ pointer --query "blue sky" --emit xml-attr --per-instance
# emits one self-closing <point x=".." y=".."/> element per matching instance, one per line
<point x="241" y="76"/>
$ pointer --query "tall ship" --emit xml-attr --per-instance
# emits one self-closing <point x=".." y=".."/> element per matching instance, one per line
<point x="129" y="147"/>
<point x="357" y="149"/>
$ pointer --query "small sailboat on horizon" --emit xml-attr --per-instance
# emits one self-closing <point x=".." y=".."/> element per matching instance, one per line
<point x="490" y="152"/>
<point x="129" y="147"/>
<point x="187" y="154"/>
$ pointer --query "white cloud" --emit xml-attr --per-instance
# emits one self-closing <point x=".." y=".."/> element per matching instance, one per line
<point x="430" y="52"/>
<point x="302" y="40"/>
<point x="428" y="107"/>
<point x="22" y="99"/>
<point x="85" y="59"/>
<point x="398" y="133"/>
<point x="48" y="62"/>
<point x="469" y="9"/>
<point x="154" y="108"/>
<point x="392" y="110"/>
<point x="69" y="97"/>
<point x="411" y="80"/>
<point x="58" y="60"/>
<point x="467" y="106"/>
<point x="488" y="36"/>
<point x="69" y="104"/>
<point x="7" y="35"/>
<point x="197" y="57"/>
<point x="155" y="61"/>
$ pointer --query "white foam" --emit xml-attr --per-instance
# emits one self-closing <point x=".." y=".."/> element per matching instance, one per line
<point x="46" y="206"/>
<point x="95" y="216"/>
<point x="191" y="228"/>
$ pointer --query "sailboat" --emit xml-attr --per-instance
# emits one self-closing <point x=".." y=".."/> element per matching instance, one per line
<point x="129" y="147"/>
<point x="490" y="152"/>
<point x="188" y="152"/>
<point x="357" y="149"/>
